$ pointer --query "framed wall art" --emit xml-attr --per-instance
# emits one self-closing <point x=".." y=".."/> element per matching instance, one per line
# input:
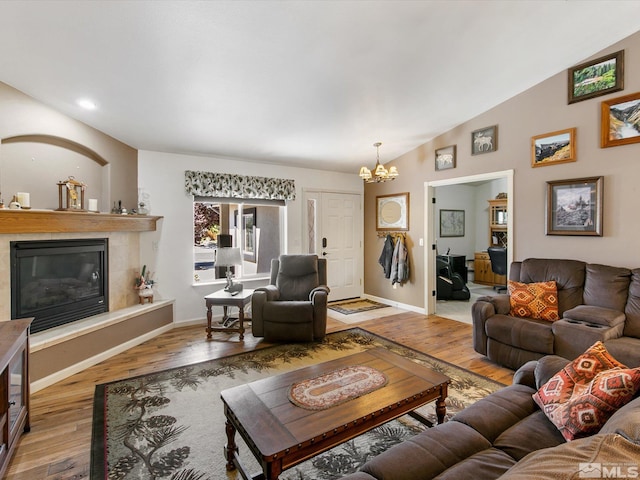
<point x="446" y="158"/>
<point x="620" y="121"/>
<point x="392" y="212"/>
<point x="452" y="223"/>
<point x="484" y="140"/>
<point x="574" y="207"/>
<point x="596" y="77"/>
<point x="554" y="147"/>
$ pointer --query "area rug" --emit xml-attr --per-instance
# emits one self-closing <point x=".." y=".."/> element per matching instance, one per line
<point x="170" y="424"/>
<point x="355" y="306"/>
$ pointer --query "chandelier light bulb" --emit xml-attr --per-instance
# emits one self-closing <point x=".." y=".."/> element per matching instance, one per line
<point x="380" y="173"/>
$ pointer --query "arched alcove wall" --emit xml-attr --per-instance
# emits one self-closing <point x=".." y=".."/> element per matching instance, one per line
<point x="29" y="160"/>
<point x="40" y="146"/>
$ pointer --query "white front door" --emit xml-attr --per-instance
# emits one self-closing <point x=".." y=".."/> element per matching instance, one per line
<point x="333" y="230"/>
<point x="340" y="243"/>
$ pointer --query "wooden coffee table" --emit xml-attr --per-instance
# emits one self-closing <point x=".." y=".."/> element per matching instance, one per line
<point x="281" y="435"/>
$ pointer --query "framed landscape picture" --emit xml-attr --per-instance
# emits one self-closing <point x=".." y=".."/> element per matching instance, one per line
<point x="452" y="223"/>
<point x="596" y="77"/>
<point x="484" y="140"/>
<point x="446" y="158"/>
<point x="620" y="121"/>
<point x="574" y="207"/>
<point x="554" y="147"/>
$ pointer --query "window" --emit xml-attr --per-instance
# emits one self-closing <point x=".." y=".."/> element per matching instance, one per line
<point x="254" y="226"/>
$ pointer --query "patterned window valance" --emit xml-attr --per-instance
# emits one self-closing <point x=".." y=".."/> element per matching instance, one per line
<point x="209" y="184"/>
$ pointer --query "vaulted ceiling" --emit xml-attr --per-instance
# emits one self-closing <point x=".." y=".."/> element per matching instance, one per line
<point x="304" y="83"/>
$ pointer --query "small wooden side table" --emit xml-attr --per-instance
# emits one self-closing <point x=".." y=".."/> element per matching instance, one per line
<point x="225" y="299"/>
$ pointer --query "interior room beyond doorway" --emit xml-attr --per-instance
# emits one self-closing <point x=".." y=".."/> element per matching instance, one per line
<point x="461" y="227"/>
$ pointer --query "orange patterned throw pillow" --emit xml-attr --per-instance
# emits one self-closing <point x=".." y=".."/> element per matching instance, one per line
<point x="582" y="396"/>
<point x="534" y="300"/>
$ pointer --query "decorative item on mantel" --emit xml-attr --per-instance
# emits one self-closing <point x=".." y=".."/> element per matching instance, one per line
<point x="14" y="205"/>
<point x="74" y="198"/>
<point x="142" y="209"/>
<point x="144" y="285"/>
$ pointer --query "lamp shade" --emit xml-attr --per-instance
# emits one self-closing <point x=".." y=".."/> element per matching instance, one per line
<point x="228" y="256"/>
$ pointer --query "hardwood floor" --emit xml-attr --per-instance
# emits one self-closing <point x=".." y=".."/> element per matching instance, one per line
<point x="58" y="446"/>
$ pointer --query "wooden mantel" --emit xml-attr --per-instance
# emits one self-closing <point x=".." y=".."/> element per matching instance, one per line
<point x="50" y="221"/>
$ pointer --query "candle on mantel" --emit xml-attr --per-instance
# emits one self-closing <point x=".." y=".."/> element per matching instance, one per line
<point x="23" y="199"/>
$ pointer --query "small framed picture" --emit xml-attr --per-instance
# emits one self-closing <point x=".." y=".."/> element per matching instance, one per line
<point x="554" y="147"/>
<point x="452" y="223"/>
<point x="574" y="207"/>
<point x="392" y="212"/>
<point x="484" y="140"/>
<point x="446" y="158"/>
<point x="620" y="121"/>
<point x="596" y="77"/>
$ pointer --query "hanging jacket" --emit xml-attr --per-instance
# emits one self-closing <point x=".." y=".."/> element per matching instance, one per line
<point x="386" y="257"/>
<point x="399" y="263"/>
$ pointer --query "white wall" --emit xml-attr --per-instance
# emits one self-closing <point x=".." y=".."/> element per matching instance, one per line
<point x="457" y="197"/>
<point x="169" y="251"/>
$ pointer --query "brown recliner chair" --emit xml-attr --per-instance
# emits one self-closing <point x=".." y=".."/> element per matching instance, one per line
<point x="293" y="307"/>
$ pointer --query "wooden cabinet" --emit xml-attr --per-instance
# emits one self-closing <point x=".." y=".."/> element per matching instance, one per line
<point x="14" y="386"/>
<point x="498" y="222"/>
<point x="483" y="273"/>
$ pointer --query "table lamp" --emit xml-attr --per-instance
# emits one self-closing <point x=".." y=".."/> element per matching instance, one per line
<point x="228" y="257"/>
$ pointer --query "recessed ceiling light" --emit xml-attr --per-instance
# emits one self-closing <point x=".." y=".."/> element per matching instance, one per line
<point x="87" y="104"/>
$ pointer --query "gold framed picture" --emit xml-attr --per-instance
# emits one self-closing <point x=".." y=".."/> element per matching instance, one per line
<point x="392" y="212"/>
<point x="554" y="147"/>
<point x="620" y="121"/>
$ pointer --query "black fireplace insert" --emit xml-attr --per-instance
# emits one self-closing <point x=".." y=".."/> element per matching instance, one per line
<point x="59" y="281"/>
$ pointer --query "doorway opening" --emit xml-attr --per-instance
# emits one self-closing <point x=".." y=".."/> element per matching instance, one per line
<point x="472" y="232"/>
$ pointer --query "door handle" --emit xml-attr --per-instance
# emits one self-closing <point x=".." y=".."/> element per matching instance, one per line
<point x="325" y="253"/>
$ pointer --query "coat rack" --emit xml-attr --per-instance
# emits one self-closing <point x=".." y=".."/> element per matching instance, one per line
<point x="393" y="234"/>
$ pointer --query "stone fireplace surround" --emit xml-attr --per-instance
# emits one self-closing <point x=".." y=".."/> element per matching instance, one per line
<point x="62" y="351"/>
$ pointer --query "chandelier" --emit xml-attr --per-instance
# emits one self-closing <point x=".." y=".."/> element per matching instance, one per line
<point x="380" y="174"/>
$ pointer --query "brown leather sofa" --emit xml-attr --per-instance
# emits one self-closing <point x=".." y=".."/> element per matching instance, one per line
<point x="595" y="302"/>
<point x="505" y="435"/>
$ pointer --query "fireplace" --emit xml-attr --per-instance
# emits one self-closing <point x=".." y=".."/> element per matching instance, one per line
<point x="59" y="281"/>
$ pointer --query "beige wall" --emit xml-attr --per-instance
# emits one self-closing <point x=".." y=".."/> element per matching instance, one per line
<point x="539" y="110"/>
<point x="36" y="167"/>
